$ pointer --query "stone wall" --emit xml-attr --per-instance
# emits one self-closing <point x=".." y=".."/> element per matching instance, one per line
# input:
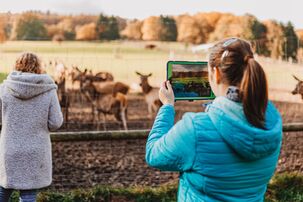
<point x="88" y="159"/>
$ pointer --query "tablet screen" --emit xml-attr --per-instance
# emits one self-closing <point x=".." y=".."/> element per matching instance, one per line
<point x="189" y="80"/>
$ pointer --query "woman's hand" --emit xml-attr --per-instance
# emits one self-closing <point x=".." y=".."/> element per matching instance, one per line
<point x="166" y="94"/>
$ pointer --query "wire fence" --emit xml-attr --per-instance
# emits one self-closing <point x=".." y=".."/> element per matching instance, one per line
<point x="122" y="59"/>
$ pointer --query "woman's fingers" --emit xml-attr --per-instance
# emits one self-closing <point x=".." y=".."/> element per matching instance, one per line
<point x="166" y="94"/>
<point x="169" y="87"/>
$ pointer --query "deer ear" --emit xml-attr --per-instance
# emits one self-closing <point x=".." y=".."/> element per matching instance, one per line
<point x="296" y="78"/>
<point x="150" y="74"/>
<point x="138" y="73"/>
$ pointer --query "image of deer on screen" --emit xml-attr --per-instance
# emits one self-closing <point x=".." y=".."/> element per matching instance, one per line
<point x="190" y="80"/>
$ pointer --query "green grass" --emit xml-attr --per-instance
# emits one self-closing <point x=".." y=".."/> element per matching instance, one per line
<point x="2" y="77"/>
<point x="283" y="188"/>
<point x="286" y="188"/>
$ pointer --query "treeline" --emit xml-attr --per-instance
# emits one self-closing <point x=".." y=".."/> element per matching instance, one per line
<point x="270" y="38"/>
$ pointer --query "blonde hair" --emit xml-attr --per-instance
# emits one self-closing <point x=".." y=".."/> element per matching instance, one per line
<point x="28" y="62"/>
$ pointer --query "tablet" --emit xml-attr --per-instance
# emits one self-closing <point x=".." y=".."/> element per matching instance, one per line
<point x="189" y="80"/>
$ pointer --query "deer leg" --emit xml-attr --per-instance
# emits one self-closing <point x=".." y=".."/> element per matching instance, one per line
<point x="123" y="118"/>
<point x="66" y="117"/>
<point x="66" y="112"/>
<point x="154" y="108"/>
<point x="104" y="122"/>
<point x="98" y="120"/>
<point x="93" y="113"/>
<point x="150" y="110"/>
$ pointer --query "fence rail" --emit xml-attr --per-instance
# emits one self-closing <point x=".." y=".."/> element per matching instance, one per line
<point x="130" y="134"/>
<point x="292" y="127"/>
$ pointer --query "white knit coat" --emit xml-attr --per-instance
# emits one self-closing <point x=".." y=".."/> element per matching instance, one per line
<point x="29" y="109"/>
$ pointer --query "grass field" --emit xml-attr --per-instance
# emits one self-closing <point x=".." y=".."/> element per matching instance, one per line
<point x="123" y="58"/>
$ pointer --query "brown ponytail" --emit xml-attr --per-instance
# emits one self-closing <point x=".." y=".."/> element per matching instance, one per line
<point x="254" y="93"/>
<point x="235" y="60"/>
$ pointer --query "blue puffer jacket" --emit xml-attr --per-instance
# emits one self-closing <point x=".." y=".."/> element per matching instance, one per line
<point x="220" y="156"/>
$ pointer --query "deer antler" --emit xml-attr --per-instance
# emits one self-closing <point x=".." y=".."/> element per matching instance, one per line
<point x="296" y="78"/>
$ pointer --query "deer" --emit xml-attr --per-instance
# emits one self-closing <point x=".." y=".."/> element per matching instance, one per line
<point x="107" y="102"/>
<point x="78" y="75"/>
<point x="60" y="80"/>
<point x="151" y="94"/>
<point x="299" y="87"/>
<point x="150" y="46"/>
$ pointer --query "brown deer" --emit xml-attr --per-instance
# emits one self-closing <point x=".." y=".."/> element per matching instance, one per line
<point x="62" y="94"/>
<point x="106" y="102"/>
<point x="78" y="75"/>
<point x="151" y="94"/>
<point x="150" y="46"/>
<point x="299" y="87"/>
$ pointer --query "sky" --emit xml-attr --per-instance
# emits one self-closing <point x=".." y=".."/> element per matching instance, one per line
<point x="280" y="10"/>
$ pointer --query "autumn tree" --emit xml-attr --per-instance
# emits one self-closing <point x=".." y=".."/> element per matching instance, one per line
<point x="206" y="23"/>
<point x="2" y="33"/>
<point x="189" y="30"/>
<point x="151" y="29"/>
<point x="300" y="37"/>
<point x="300" y="50"/>
<point x="67" y="26"/>
<point x="133" y="30"/>
<point x="274" y="38"/>
<point x="30" y="27"/>
<point x="53" y="30"/>
<point x="86" y="32"/>
<point x="227" y="26"/>
<point x="211" y="18"/>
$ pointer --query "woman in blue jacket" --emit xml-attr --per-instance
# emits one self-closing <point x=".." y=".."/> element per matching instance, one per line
<point x="230" y="151"/>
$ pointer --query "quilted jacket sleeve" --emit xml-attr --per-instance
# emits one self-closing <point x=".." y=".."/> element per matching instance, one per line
<point x="171" y="147"/>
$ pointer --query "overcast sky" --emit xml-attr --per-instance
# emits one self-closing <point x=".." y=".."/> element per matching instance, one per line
<point x="281" y="10"/>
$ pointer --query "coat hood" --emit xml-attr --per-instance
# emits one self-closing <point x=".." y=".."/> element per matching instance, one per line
<point x="248" y="141"/>
<point x="28" y="85"/>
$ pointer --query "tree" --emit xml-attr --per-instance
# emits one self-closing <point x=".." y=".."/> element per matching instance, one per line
<point x="207" y="23"/>
<point x="67" y="26"/>
<point x="169" y="29"/>
<point x="228" y="26"/>
<point x="300" y="37"/>
<point x="274" y="38"/>
<point x="86" y="32"/>
<point x="151" y="29"/>
<point x="30" y="27"/>
<point x="107" y="28"/>
<point x="133" y="30"/>
<point x="290" y="42"/>
<point x="259" y="37"/>
<point x="2" y="33"/>
<point x="189" y="30"/>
